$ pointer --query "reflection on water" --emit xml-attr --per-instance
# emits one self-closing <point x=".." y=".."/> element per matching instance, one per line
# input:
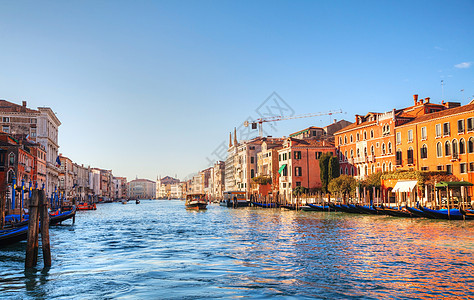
<point x="159" y="250"/>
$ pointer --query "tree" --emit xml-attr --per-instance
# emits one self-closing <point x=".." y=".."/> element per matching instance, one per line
<point x="343" y="184"/>
<point x="333" y="168"/>
<point x="299" y="190"/>
<point x="324" y="170"/>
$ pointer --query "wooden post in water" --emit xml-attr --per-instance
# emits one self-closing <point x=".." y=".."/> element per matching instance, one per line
<point x="3" y="197"/>
<point x="32" y="242"/>
<point x="44" y="215"/>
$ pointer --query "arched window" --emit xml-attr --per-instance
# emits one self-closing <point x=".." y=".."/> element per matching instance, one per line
<point x="345" y="155"/>
<point x="470" y="145"/>
<point x="390" y="166"/>
<point x="455" y="148"/>
<point x="372" y="150"/>
<point x="383" y="167"/>
<point x="351" y="138"/>
<point x="373" y="169"/>
<point x="365" y="135"/>
<point x="11" y="159"/>
<point x="383" y="148"/>
<point x="347" y="172"/>
<point x="462" y="146"/>
<point x="389" y="148"/>
<point x="352" y="153"/>
<point x="447" y="148"/>
<point x="366" y="171"/>
<point x="341" y="171"/>
<point x="439" y="149"/>
<point x="11" y="175"/>
<point x="365" y="151"/>
<point x="345" y="140"/>
<point x="399" y="157"/>
<point x="340" y="140"/>
<point x="357" y="137"/>
<point x="371" y="133"/>
<point x="358" y="152"/>
<point x="424" y="151"/>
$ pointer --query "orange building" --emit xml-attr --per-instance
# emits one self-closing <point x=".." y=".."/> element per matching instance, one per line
<point x="368" y="145"/>
<point x="439" y="141"/>
<point x="299" y="163"/>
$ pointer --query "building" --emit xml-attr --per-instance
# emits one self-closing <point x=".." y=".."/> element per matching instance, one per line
<point x="298" y="164"/>
<point x="267" y="164"/>
<point x="66" y="177"/>
<point x="119" y="188"/>
<point x="40" y="126"/>
<point x="218" y="180"/>
<point x="163" y="186"/>
<point x="142" y="189"/>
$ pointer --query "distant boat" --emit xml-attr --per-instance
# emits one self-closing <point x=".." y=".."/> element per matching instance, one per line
<point x="86" y="206"/>
<point x="320" y="207"/>
<point x="234" y="199"/>
<point x="196" y="201"/>
<point x="13" y="235"/>
<point x="137" y="201"/>
<point x="265" y="205"/>
<point x="124" y="201"/>
<point x="60" y="215"/>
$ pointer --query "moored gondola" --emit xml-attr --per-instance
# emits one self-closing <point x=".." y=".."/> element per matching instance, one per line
<point x="416" y="212"/>
<point x="321" y="207"/>
<point x="366" y="209"/>
<point x="13" y="235"/>
<point x="265" y="205"/>
<point x="451" y="214"/>
<point x="62" y="215"/>
<point x="469" y="214"/>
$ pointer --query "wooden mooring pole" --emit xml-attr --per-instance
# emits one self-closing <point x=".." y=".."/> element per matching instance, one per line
<point x="2" y="210"/>
<point x="39" y="216"/>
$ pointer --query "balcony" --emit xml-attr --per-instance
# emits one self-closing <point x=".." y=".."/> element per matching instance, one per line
<point x="283" y="178"/>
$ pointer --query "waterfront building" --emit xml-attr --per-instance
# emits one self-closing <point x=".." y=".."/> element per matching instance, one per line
<point x="40" y="126"/>
<point x="16" y="161"/>
<point x="267" y="165"/>
<point x="245" y="163"/>
<point x="66" y="177"/>
<point x="177" y="190"/>
<point x="230" y="183"/>
<point x="196" y="184"/>
<point x="298" y="164"/>
<point x="439" y="141"/>
<point x="163" y="186"/>
<point x="142" y="189"/>
<point x="120" y="188"/>
<point x="94" y="183"/>
<point x="81" y="186"/>
<point x="368" y="145"/>
<point x="218" y="180"/>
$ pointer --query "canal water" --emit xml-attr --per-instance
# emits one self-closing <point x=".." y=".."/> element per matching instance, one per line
<point x="158" y="250"/>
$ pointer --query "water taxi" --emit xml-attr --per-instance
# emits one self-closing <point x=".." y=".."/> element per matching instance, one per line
<point x="196" y="201"/>
<point x="234" y="199"/>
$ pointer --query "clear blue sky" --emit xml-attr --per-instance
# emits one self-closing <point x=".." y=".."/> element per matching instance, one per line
<point x="154" y="87"/>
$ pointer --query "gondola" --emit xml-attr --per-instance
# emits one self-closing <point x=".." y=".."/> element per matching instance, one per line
<point x="468" y="213"/>
<point x="321" y="207"/>
<point x="451" y="214"/>
<point x="265" y="205"/>
<point x="137" y="201"/>
<point x="13" y="221"/>
<point x="417" y="212"/>
<point x="86" y="206"/>
<point x="289" y="206"/>
<point x="13" y="235"/>
<point x="402" y="212"/>
<point x="59" y="216"/>
<point x="366" y="209"/>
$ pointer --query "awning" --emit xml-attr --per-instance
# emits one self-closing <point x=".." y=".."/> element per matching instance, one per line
<point x="453" y="184"/>
<point x="405" y="186"/>
<point x="281" y="169"/>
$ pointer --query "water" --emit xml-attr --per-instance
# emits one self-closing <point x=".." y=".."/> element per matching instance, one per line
<point x="158" y="250"/>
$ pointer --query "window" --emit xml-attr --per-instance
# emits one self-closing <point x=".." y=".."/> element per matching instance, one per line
<point x="383" y="148"/>
<point x="6" y="129"/>
<point x="285" y="156"/>
<point x="383" y="167"/>
<point x="318" y="154"/>
<point x="439" y="149"/>
<point x="340" y="140"/>
<point x="449" y="169"/>
<point x="424" y="151"/>
<point x="33" y="132"/>
<point x="470" y="124"/>
<point x="298" y="171"/>
<point x="345" y="140"/>
<point x="462" y="168"/>
<point x="410" y="136"/>
<point x="470" y="145"/>
<point x="297" y="154"/>
<point x="365" y="135"/>
<point x="298" y="183"/>
<point x="33" y="121"/>
<point x="399" y="157"/>
<point x="462" y="146"/>
<point x="410" y="156"/>
<point x="371" y="133"/>
<point x="372" y="150"/>
<point x="447" y="148"/>
<point x="285" y="171"/>
<point x="438" y="130"/>
<point x="455" y="149"/>
<point x="389" y="148"/>
<point x="399" y="138"/>
<point x="424" y="136"/>
<point x="365" y="151"/>
<point x="440" y="168"/>
<point x="345" y="155"/>
<point x="351" y="139"/>
<point x="11" y="159"/>
<point x="446" y="130"/>
<point x="373" y="169"/>
<point x="471" y="167"/>
<point x="251" y="159"/>
<point x="252" y="173"/>
<point x="460" y="126"/>
<point x="358" y="152"/>
<point x="357" y="137"/>
<point x="279" y="157"/>
<point x="6" y="120"/>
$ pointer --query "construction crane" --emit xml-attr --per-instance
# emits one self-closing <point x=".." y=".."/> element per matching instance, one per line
<point x="259" y="122"/>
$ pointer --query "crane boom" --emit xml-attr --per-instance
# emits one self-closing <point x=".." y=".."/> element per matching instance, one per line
<point x="260" y="121"/>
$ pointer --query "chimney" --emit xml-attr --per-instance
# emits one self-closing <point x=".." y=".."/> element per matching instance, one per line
<point x="357" y="119"/>
<point x="427" y="100"/>
<point x="335" y="121"/>
<point x="415" y="98"/>
<point x="24" y="103"/>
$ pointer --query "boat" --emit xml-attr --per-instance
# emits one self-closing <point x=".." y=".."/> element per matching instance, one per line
<point x="417" y="212"/>
<point x="234" y="199"/>
<point x="308" y="208"/>
<point x="137" y="201"/>
<point x="395" y="212"/>
<point x="366" y="209"/>
<point x="469" y="213"/>
<point x="62" y="215"/>
<point x="265" y="205"/>
<point x="320" y="207"/>
<point x="196" y="201"/>
<point x="13" y="221"/>
<point x="451" y="214"/>
<point x="13" y="235"/>
<point x="86" y="206"/>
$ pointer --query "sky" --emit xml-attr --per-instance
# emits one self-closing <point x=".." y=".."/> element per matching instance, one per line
<point x="153" y="88"/>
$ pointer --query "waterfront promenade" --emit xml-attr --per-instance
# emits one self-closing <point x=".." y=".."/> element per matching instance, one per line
<point x="159" y="250"/>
